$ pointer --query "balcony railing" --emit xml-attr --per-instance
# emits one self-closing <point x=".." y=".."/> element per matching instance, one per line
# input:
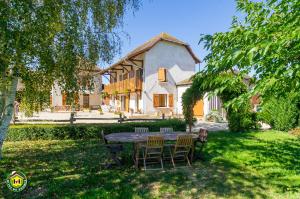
<point x="128" y="85"/>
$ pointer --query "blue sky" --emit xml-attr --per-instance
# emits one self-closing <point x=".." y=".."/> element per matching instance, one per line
<point x="184" y="19"/>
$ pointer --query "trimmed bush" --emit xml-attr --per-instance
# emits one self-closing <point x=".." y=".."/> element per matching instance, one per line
<point x="83" y="131"/>
<point x="281" y="114"/>
<point x="242" y="119"/>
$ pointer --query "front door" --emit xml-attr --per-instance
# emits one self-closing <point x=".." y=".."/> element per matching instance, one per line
<point x="86" y="101"/>
<point x="198" y="109"/>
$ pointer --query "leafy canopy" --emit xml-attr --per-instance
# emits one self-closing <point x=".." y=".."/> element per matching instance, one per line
<point x="46" y="40"/>
<point x="228" y="86"/>
<point x="266" y="43"/>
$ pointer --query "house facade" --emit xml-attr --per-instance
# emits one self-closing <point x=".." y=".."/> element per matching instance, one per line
<point x="150" y="79"/>
<point x="89" y="98"/>
<point x="202" y="107"/>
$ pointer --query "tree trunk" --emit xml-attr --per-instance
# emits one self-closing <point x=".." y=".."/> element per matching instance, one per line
<point x="8" y="112"/>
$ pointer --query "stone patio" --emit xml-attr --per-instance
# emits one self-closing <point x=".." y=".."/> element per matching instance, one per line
<point x="210" y="126"/>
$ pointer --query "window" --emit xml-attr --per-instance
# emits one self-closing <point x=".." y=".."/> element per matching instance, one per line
<point x="160" y="100"/>
<point x="162" y="75"/>
<point x="120" y="78"/>
<point x="86" y="101"/>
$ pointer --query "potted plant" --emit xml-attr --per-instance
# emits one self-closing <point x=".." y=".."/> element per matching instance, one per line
<point x="115" y="93"/>
<point x="104" y="94"/>
<point x="100" y="110"/>
<point x="127" y="91"/>
<point x="214" y="116"/>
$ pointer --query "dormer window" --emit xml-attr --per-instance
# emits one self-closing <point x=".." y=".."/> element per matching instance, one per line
<point x="162" y="75"/>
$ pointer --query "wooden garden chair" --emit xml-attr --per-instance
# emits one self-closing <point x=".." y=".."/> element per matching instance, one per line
<point x="181" y="149"/>
<point x="141" y="129"/>
<point x="153" y="150"/>
<point x="166" y="130"/>
<point x="137" y="146"/>
<point x="114" y="150"/>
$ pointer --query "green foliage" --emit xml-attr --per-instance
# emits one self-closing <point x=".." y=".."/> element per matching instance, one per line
<point x="104" y="94"/>
<point x="228" y="86"/>
<point x="242" y="119"/>
<point x="280" y="113"/>
<point x="264" y="41"/>
<point x="115" y="93"/>
<point x="31" y="102"/>
<point x="86" y="131"/>
<point x="46" y="41"/>
<point x="238" y="165"/>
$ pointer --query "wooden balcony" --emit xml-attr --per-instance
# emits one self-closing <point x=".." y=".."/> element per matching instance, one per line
<point x="128" y="85"/>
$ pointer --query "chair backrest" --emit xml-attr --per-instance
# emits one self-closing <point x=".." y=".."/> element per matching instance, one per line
<point x="202" y="135"/>
<point x="166" y="130"/>
<point x="103" y="137"/>
<point x="141" y="129"/>
<point x="155" y="145"/>
<point x="183" y="144"/>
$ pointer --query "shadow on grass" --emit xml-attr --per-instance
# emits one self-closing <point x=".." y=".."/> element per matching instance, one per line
<point x="237" y="165"/>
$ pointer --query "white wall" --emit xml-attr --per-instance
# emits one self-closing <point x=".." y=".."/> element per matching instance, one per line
<point x="95" y="96"/>
<point x="179" y="63"/>
<point x="132" y="102"/>
<point x="205" y="105"/>
<point x="180" y="91"/>
<point x="141" y="105"/>
<point x="56" y="95"/>
<point x="95" y="99"/>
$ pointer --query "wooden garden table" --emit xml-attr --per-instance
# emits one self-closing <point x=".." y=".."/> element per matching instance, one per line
<point x="135" y="138"/>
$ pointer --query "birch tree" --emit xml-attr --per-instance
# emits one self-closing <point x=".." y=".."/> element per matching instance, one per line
<point x="44" y="40"/>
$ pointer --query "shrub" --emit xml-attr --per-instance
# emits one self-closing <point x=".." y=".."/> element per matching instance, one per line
<point x="214" y="116"/>
<point x="242" y="119"/>
<point x="83" y="131"/>
<point x="281" y="114"/>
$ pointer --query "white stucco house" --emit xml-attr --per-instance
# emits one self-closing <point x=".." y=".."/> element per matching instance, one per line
<point x="86" y="98"/>
<point x="152" y="78"/>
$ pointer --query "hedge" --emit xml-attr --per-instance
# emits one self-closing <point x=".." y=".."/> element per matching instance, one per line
<point x="83" y="131"/>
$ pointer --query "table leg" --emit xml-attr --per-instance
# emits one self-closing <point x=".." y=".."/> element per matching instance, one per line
<point x="136" y="154"/>
<point x="193" y="151"/>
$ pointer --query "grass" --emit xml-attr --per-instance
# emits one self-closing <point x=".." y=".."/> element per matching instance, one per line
<point x="237" y="165"/>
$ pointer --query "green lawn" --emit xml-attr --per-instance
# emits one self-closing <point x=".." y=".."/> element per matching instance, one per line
<point x="238" y="165"/>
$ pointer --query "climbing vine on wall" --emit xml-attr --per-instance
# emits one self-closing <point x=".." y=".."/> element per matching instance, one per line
<point x="228" y="86"/>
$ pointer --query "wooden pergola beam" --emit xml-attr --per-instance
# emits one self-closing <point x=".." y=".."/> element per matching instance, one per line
<point x="129" y="62"/>
<point x="131" y="67"/>
<point x="122" y="65"/>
